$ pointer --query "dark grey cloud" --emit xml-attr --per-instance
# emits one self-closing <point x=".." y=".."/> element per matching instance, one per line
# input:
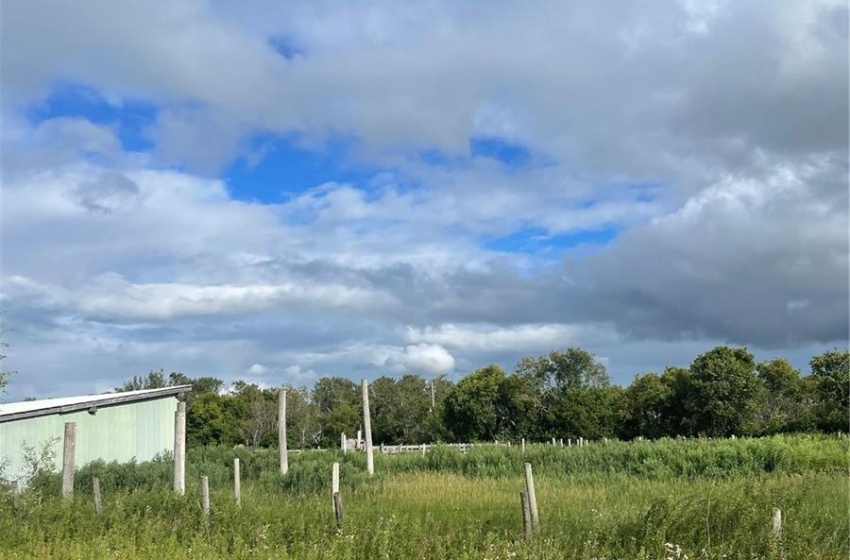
<point x="108" y="193"/>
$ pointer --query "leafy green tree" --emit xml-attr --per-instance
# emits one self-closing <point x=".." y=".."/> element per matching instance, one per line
<point x="339" y="408"/>
<point x="153" y="380"/>
<point x="647" y="405"/>
<point x="724" y="392"/>
<point x="592" y="413"/>
<point x="382" y="408"/>
<point x="785" y="398"/>
<point x="208" y="421"/>
<point x="470" y="410"/>
<point x="573" y="369"/>
<point x="400" y="409"/>
<point x="199" y="385"/>
<point x="304" y="430"/>
<point x="518" y="407"/>
<point x="254" y="413"/>
<point x="435" y="428"/>
<point x="260" y="424"/>
<point x="831" y="375"/>
<point x="677" y="413"/>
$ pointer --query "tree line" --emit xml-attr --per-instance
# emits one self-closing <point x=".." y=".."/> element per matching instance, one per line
<point x="565" y="394"/>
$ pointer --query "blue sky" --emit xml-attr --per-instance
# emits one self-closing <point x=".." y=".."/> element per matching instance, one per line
<point x="132" y="119"/>
<point x="276" y="193"/>
<point x="272" y="168"/>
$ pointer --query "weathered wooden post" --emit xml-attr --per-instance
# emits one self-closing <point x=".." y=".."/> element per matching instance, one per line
<point x="553" y="442"/>
<point x="68" y="451"/>
<point x="367" y="426"/>
<point x="205" y="496"/>
<point x="334" y="482"/>
<point x="522" y="445"/>
<point x="776" y="531"/>
<point x="527" y="528"/>
<point x="95" y="490"/>
<point x="237" y="481"/>
<point x="180" y="448"/>
<point x="281" y="432"/>
<point x="343" y="443"/>
<point x="339" y="514"/>
<point x="423" y="449"/>
<point x="532" y="496"/>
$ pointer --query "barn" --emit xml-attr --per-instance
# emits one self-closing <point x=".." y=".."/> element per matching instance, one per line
<point x="112" y="427"/>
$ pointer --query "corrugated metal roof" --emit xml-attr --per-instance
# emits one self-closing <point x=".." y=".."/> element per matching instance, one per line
<point x="28" y="409"/>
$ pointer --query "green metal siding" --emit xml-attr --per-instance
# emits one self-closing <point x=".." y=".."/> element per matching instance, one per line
<point x="120" y="433"/>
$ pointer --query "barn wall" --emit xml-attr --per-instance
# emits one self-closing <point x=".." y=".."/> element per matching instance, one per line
<point x="120" y="433"/>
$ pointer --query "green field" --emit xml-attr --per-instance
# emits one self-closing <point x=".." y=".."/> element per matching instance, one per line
<point x="710" y="499"/>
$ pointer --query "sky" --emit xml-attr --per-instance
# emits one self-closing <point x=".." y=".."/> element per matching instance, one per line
<point x="281" y="190"/>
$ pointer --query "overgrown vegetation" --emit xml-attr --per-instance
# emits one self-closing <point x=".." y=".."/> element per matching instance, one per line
<point x="659" y="460"/>
<point x="704" y="499"/>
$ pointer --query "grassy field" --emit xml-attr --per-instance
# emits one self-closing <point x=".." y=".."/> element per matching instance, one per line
<point x="645" y="500"/>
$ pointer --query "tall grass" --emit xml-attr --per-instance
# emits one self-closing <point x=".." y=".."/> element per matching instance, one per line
<point x="432" y="515"/>
<point x="713" y="499"/>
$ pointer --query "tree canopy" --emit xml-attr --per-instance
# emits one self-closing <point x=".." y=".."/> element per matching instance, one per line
<point x="566" y="394"/>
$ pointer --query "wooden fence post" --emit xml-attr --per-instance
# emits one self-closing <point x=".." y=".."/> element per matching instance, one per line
<point x="68" y="459"/>
<point x="367" y="426"/>
<point x="205" y="496"/>
<point x="180" y="448"/>
<point x="531" y="495"/>
<point x="334" y="483"/>
<point x="423" y="449"/>
<point x="95" y="490"/>
<point x="522" y="445"/>
<point x="527" y="528"/>
<point x="343" y="443"/>
<point x="776" y="531"/>
<point x="281" y="432"/>
<point x="339" y="514"/>
<point x="237" y="481"/>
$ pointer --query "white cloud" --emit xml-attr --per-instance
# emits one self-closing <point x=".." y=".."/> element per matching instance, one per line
<point x="424" y="359"/>
<point x="111" y="298"/>
<point x="515" y="338"/>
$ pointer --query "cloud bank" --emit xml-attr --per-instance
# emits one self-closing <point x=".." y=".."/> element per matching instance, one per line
<point x="644" y="182"/>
